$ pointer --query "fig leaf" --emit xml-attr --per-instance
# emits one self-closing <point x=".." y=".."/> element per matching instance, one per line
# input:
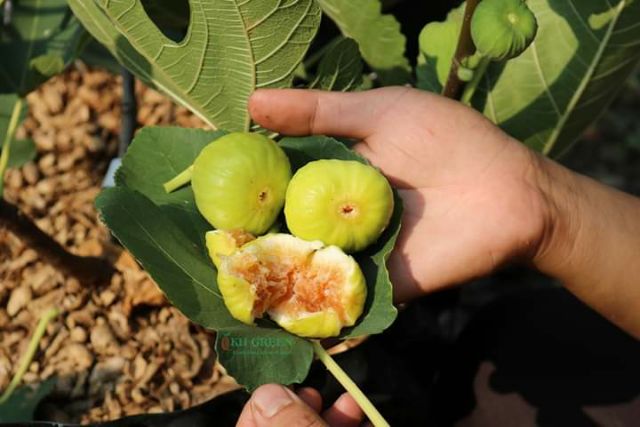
<point x="381" y="42"/>
<point x="582" y="55"/>
<point x="340" y="68"/>
<point x="231" y="48"/>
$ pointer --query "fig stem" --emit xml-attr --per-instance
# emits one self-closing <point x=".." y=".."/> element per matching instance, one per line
<point x="179" y="180"/>
<point x="478" y="74"/>
<point x="31" y="351"/>
<point x="343" y="378"/>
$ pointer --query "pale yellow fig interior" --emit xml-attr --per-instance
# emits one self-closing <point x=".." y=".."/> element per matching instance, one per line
<point x="307" y="288"/>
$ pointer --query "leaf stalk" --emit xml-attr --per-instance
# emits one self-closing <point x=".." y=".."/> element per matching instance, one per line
<point x="343" y="378"/>
<point x="8" y="137"/>
<point x="471" y="87"/>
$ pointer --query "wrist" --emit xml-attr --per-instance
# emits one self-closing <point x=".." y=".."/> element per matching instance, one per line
<point x="559" y="189"/>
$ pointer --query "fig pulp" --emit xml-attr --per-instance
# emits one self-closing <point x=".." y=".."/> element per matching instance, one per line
<point x="309" y="289"/>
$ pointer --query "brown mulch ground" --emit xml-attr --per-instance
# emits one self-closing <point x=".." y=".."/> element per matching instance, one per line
<point x="115" y="350"/>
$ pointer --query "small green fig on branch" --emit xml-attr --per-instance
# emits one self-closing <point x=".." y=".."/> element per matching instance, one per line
<point x="503" y="29"/>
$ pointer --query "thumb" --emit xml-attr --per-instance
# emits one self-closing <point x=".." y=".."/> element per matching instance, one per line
<point x="312" y="112"/>
<point x="275" y="405"/>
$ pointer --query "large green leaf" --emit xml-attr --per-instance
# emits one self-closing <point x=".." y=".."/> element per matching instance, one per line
<point x="154" y="159"/>
<point x="179" y="266"/>
<point x="231" y="48"/>
<point x="580" y="59"/>
<point x="340" y="68"/>
<point x="165" y="233"/>
<point x="42" y="37"/>
<point x="381" y="43"/>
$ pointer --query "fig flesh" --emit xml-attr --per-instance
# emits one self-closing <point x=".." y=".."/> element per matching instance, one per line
<point x="309" y="289"/>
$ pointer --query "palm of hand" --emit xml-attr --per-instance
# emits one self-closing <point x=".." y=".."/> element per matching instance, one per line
<point x="470" y="202"/>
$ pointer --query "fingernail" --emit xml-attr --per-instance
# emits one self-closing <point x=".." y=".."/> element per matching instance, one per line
<point x="270" y="399"/>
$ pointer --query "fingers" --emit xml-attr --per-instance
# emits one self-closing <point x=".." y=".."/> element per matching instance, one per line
<point x="309" y="112"/>
<point x="275" y="405"/>
<point x="311" y="397"/>
<point x="345" y="412"/>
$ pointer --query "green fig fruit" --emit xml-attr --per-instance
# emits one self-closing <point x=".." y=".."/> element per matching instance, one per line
<point x="239" y="182"/>
<point x="503" y="29"/>
<point x="309" y="289"/>
<point x="343" y="203"/>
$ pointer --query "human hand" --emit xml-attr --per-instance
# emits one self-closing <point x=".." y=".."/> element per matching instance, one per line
<point x="275" y="405"/>
<point x="470" y="192"/>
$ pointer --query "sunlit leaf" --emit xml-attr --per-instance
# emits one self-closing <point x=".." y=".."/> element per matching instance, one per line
<point x="549" y="95"/>
<point x="438" y="41"/>
<point x="381" y="42"/>
<point x="231" y="48"/>
<point x="583" y="54"/>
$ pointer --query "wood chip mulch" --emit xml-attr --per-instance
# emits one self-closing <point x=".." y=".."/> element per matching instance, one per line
<point x="115" y="350"/>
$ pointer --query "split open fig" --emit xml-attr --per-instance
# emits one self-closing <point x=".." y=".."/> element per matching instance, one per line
<point x="307" y="288"/>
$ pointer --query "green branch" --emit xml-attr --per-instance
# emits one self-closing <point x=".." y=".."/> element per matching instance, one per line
<point x="343" y="378"/>
<point x="454" y="86"/>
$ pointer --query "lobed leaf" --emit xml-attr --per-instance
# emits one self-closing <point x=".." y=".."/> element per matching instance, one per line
<point x="437" y="42"/>
<point x="231" y="48"/>
<point x="381" y="42"/>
